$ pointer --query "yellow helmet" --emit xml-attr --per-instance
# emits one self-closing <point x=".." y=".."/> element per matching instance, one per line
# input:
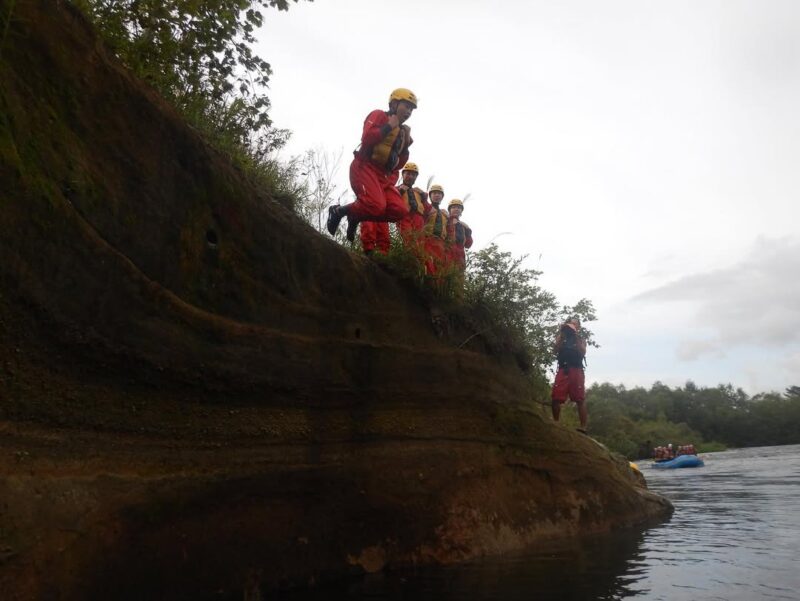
<point x="403" y="94"/>
<point x="455" y="203"/>
<point x="411" y="167"/>
<point x="436" y="188"/>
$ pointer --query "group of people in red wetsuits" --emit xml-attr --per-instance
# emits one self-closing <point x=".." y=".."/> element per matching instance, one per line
<point x="668" y="452"/>
<point x="437" y="236"/>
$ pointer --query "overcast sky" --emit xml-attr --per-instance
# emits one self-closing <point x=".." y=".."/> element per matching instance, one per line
<point x="643" y="154"/>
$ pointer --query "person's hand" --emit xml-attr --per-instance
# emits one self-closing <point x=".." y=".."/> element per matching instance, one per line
<point x="402" y="187"/>
<point x="394" y="121"/>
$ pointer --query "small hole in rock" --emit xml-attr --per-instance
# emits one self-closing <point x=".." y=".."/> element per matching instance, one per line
<point x="211" y="238"/>
<point x="358" y="332"/>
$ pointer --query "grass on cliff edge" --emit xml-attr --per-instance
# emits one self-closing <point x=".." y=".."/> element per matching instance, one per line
<point x="496" y="306"/>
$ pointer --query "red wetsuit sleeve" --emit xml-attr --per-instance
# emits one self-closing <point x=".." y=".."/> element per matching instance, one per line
<point x="376" y="128"/>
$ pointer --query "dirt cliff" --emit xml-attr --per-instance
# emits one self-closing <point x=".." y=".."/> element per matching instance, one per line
<point x="200" y="394"/>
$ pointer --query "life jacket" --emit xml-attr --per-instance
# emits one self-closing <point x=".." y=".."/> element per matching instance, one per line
<point x="568" y="353"/>
<point x="414" y="200"/>
<point x="458" y="232"/>
<point x="386" y="153"/>
<point x="436" y="223"/>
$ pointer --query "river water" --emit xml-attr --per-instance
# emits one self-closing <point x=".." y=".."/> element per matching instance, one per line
<point x="735" y="535"/>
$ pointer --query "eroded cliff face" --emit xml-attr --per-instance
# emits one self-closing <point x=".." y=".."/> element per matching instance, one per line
<point x="199" y="393"/>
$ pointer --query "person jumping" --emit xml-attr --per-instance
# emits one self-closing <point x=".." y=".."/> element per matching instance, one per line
<point x="375" y="168"/>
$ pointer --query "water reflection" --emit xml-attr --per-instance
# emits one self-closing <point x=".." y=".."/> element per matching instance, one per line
<point x="603" y="568"/>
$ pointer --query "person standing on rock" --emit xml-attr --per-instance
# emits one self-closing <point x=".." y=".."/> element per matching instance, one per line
<point x="435" y="231"/>
<point x="570" y="381"/>
<point x="383" y="151"/>
<point x="459" y="235"/>
<point x="417" y="201"/>
<point x="459" y="238"/>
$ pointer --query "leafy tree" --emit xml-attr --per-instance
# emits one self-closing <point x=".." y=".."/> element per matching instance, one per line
<point x="497" y="283"/>
<point x="198" y="54"/>
<point x="708" y="417"/>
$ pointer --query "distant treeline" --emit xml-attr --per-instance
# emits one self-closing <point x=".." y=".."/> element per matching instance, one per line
<point x="633" y="421"/>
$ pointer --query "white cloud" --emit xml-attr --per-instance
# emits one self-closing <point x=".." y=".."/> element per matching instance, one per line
<point x="754" y="302"/>
<point x="689" y="350"/>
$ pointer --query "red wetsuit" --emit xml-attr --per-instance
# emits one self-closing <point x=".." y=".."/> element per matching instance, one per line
<point x="435" y="235"/>
<point x="375" y="169"/>
<point x="570" y="378"/>
<point x="418" y="207"/>
<point x="375" y="235"/>
<point x="570" y="383"/>
<point x="459" y="238"/>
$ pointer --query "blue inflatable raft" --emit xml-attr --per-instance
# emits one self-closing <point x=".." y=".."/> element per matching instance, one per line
<point x="680" y="461"/>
